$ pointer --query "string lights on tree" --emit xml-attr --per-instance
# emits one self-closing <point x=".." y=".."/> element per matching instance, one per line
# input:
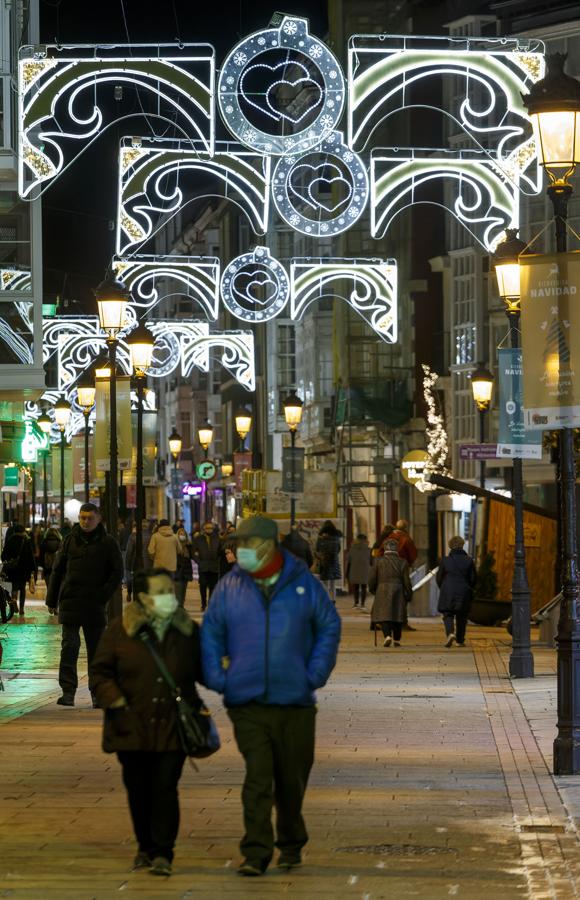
<point x="437" y="440"/>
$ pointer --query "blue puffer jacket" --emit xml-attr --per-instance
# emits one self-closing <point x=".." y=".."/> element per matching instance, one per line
<point x="279" y="650"/>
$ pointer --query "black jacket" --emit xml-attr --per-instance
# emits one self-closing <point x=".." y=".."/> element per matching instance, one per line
<point x="456" y="579"/>
<point x="87" y="571"/>
<point x="206" y="552"/>
<point x="298" y="546"/>
<point x="124" y="667"/>
<point x="18" y="548"/>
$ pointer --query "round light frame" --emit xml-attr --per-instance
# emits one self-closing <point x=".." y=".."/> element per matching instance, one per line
<point x="332" y="147"/>
<point x="277" y="276"/>
<point x="292" y="34"/>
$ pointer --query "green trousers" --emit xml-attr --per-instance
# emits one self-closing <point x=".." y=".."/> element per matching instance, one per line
<point x="277" y="743"/>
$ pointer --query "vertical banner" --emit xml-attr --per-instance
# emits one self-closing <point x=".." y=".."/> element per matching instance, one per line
<point x="242" y="461"/>
<point x="149" y="444"/>
<point x="550" y="322"/>
<point x="103" y="423"/>
<point x="293" y="470"/>
<point x="78" y="462"/>
<point x="514" y="439"/>
<point x="55" y="471"/>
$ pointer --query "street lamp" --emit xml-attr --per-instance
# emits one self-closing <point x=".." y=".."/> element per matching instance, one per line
<point x="243" y="424"/>
<point x="482" y="387"/>
<point x="61" y="416"/>
<point x="507" y="270"/>
<point x="86" y="392"/>
<point x="112" y="298"/>
<point x="141" y="343"/>
<point x="554" y="107"/>
<point x="205" y="435"/>
<point x="227" y="469"/>
<point x="293" y="414"/>
<point x="175" y="443"/>
<point x="44" y="422"/>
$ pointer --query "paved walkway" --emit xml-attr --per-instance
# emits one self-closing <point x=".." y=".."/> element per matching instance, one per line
<point x="431" y="781"/>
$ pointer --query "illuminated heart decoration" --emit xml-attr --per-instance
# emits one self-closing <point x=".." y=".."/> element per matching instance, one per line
<point x="269" y="108"/>
<point x="259" y="282"/>
<point x="309" y="198"/>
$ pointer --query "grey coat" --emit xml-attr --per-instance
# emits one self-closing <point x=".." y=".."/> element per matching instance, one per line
<point x="391" y="585"/>
<point x="358" y="566"/>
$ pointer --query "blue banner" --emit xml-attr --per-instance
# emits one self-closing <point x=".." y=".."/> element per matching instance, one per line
<point x="514" y="441"/>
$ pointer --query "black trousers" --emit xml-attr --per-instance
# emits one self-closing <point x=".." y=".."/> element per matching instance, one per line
<point x="359" y="590"/>
<point x="393" y="629"/>
<point x="456" y="623"/>
<point x="207" y="582"/>
<point x="151" y="780"/>
<point x="69" y="654"/>
<point x="19" y="590"/>
<point x="277" y="743"/>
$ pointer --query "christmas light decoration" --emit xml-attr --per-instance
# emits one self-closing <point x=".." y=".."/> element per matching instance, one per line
<point x="486" y="201"/>
<point x="437" y="440"/>
<point x="280" y="90"/>
<point x="151" y="279"/>
<point x="53" y="80"/>
<point x="254" y="287"/>
<point x="15" y="280"/>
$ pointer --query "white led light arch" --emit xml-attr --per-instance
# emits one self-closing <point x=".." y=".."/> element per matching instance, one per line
<point x="53" y="81"/>
<point x="304" y="188"/>
<point x="486" y="202"/>
<point x="303" y="79"/>
<point x="369" y="286"/>
<point x="384" y="69"/>
<point x="254" y="286"/>
<point x="15" y="280"/>
<point x="242" y="176"/>
<point x="153" y="279"/>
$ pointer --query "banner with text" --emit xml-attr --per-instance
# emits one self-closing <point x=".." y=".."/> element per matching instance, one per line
<point x="149" y="443"/>
<point x="103" y="423"/>
<point x="514" y="440"/>
<point x="550" y="294"/>
<point x="55" y="474"/>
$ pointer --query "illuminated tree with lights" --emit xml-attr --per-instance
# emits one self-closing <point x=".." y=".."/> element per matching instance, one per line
<point x="437" y="441"/>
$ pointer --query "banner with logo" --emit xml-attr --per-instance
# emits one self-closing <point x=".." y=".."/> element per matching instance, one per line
<point x="103" y="423"/>
<point x="550" y="320"/>
<point x="515" y="440"/>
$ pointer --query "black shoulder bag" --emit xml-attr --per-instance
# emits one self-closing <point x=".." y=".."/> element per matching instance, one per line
<point x="198" y="734"/>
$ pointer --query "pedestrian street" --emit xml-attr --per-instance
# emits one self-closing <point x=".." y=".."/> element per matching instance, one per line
<point x="431" y="781"/>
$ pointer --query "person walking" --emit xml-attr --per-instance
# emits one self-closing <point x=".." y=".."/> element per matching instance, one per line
<point x="19" y="565"/>
<point x="358" y="569"/>
<point x="49" y="547"/>
<point x="298" y="546"/>
<point x="269" y="639"/>
<point x="406" y="545"/>
<point x="227" y="552"/>
<point x="456" y="579"/>
<point x="140" y="722"/>
<point x="390" y="583"/>
<point x="205" y="550"/>
<point x="163" y="548"/>
<point x="328" y="555"/>
<point x="87" y="571"/>
<point x="184" y="572"/>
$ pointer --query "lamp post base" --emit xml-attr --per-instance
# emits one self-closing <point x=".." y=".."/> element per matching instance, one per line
<point x="567" y="744"/>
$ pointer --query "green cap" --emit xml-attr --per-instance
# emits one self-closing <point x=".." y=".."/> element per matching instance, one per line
<point x="257" y="526"/>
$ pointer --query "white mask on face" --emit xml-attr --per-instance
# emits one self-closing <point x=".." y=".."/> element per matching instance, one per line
<point x="164" y="605"/>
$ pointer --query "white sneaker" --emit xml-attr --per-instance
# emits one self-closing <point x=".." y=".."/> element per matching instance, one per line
<point x="450" y="640"/>
<point x="387" y="641"/>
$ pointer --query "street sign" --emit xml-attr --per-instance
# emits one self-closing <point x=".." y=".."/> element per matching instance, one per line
<point x="477" y="451"/>
<point x="206" y="470"/>
<point x="293" y="470"/>
<point x="413" y="465"/>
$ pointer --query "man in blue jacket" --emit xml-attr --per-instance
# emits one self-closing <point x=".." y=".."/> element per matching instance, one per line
<point x="269" y="639"/>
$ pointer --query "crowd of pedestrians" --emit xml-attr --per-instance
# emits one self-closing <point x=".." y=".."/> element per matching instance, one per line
<point x="268" y="641"/>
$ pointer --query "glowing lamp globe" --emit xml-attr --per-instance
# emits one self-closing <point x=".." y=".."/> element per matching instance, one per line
<point x="553" y="104"/>
<point x="86" y="392"/>
<point x="175" y="443"/>
<point x="205" y="434"/>
<point x="507" y="267"/>
<point x="141" y="343"/>
<point x="482" y="387"/>
<point x="293" y="410"/>
<point x="44" y="422"/>
<point x="112" y="299"/>
<point x="243" y="422"/>
<point x="62" y="413"/>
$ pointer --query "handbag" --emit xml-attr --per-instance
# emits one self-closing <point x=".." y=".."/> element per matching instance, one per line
<point x="197" y="731"/>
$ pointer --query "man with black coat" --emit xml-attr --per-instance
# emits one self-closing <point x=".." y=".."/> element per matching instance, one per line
<point x="87" y="571"/>
<point x="205" y="549"/>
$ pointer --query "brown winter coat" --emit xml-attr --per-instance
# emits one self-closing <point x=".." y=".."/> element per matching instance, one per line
<point x="123" y="667"/>
<point x="391" y="584"/>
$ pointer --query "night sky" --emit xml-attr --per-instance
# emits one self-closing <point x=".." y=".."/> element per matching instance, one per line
<point x="79" y="206"/>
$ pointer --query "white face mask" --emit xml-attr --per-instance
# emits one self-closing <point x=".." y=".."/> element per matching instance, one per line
<point x="182" y="537"/>
<point x="164" y="605"/>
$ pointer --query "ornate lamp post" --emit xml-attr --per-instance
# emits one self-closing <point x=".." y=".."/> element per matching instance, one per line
<point x="44" y="422"/>
<point x="141" y="343"/>
<point x="86" y="400"/>
<point x="482" y="387"/>
<point x="507" y="270"/>
<point x="175" y="443"/>
<point x="61" y="416"/>
<point x="112" y="298"/>
<point x="243" y="424"/>
<point x="293" y="406"/>
<point x="205" y="437"/>
<point x="554" y="106"/>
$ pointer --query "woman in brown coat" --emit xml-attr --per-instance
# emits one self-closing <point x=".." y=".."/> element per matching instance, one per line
<point x="140" y="723"/>
<point x="391" y="585"/>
